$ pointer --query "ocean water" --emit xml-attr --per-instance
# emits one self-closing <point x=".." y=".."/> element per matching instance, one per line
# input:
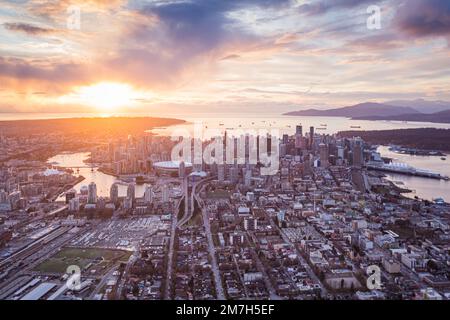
<point x="209" y="125"/>
<point x="102" y="180"/>
<point x="422" y="187"/>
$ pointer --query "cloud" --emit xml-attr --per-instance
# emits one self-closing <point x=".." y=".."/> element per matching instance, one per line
<point x="196" y="52"/>
<point x="166" y="41"/>
<point x="28" y="28"/>
<point x="54" y="76"/>
<point x="158" y="45"/>
<point x="383" y="42"/>
<point x="204" y="24"/>
<point x="231" y="57"/>
<point x="422" y="18"/>
<point x="53" y="9"/>
<point x="324" y="6"/>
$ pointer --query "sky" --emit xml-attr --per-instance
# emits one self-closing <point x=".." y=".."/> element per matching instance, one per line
<point x="220" y="55"/>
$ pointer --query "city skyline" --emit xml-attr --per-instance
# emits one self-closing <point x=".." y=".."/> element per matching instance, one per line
<point x="201" y="56"/>
<point x="251" y="154"/>
<point x="125" y="221"/>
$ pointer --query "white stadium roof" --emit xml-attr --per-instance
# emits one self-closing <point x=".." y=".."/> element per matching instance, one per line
<point x="171" y="165"/>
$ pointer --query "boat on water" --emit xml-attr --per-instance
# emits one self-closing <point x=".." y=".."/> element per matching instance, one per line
<point x="221" y="124"/>
<point x="443" y="158"/>
<point x="355" y="127"/>
<point x="323" y="125"/>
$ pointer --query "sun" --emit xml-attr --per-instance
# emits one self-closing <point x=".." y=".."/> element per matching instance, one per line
<point x="106" y="95"/>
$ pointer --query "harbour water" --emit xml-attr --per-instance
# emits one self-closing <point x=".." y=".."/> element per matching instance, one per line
<point x="263" y="120"/>
<point x="211" y="123"/>
<point x="102" y="180"/>
<point x="424" y="188"/>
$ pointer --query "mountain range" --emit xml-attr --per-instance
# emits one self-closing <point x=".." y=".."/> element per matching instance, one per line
<point x="438" y="117"/>
<point x="422" y="105"/>
<point x="417" y="110"/>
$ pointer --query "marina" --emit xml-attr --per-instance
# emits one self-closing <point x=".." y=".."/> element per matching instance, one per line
<point x="416" y="151"/>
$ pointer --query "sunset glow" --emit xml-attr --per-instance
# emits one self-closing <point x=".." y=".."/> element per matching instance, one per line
<point x="103" y="96"/>
<point x="248" y="154"/>
<point x="245" y="55"/>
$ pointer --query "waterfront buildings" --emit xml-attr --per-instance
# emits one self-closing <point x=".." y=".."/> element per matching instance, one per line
<point x="92" y="193"/>
<point x="310" y="230"/>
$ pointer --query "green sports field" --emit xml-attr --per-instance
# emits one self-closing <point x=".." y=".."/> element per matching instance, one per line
<point x="82" y="258"/>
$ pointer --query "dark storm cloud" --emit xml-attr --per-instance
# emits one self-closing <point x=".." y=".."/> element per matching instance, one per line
<point x="53" y="72"/>
<point x="163" y="41"/>
<point x="202" y="21"/>
<point x="424" y="17"/>
<point x="324" y="6"/>
<point x="167" y="38"/>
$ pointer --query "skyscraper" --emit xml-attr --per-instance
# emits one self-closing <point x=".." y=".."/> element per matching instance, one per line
<point x="3" y="196"/>
<point x="131" y="192"/>
<point x="358" y="157"/>
<point x="311" y="137"/>
<point x="247" y="177"/>
<point x="148" y="195"/>
<point x="92" y="193"/>
<point x="323" y="149"/>
<point x="340" y="152"/>
<point x="165" y="193"/>
<point x="74" y="204"/>
<point x="70" y="195"/>
<point x="111" y="151"/>
<point x="114" y="193"/>
<point x="299" y="130"/>
<point x="298" y="141"/>
<point x="182" y="169"/>
<point x="234" y="174"/>
<point x="221" y="172"/>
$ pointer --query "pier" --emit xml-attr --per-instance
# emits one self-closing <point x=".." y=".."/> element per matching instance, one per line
<point x="402" y="168"/>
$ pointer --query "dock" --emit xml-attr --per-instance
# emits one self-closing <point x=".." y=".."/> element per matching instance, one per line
<point x="402" y="168"/>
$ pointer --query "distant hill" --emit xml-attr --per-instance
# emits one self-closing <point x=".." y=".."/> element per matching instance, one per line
<point x="421" y="138"/>
<point x="367" y="109"/>
<point x="438" y="117"/>
<point x="85" y="126"/>
<point x="422" y="105"/>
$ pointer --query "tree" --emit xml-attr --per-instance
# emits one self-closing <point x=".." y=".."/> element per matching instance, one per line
<point x="135" y="290"/>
